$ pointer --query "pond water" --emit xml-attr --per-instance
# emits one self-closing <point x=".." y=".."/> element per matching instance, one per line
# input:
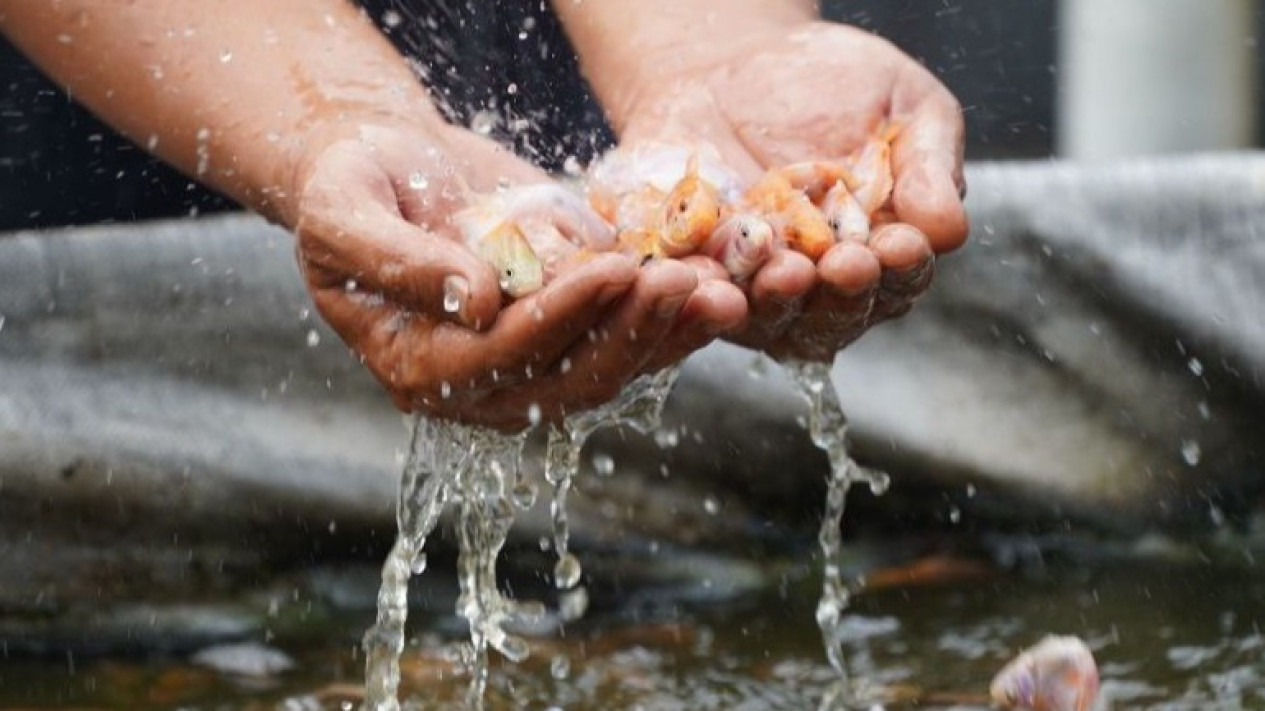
<point x="1169" y="632"/>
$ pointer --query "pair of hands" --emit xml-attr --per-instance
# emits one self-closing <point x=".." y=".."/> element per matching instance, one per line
<point x="379" y="260"/>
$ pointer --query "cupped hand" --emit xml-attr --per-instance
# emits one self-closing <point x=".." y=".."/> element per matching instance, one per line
<point x="815" y="91"/>
<point x="371" y="205"/>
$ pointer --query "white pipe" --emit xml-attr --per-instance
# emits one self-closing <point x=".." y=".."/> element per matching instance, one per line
<point x="1139" y="77"/>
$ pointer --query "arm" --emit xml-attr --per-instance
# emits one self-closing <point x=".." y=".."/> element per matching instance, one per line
<point x="615" y="39"/>
<point x="227" y="94"/>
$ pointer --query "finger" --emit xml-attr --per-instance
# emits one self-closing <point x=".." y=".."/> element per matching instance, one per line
<point x="352" y="229"/>
<point x="927" y="166"/>
<point x="597" y="367"/>
<point x="531" y="334"/>
<point x="839" y="310"/>
<point x="778" y="290"/>
<point x="379" y="334"/>
<point x="908" y="267"/>
<point x="714" y="309"/>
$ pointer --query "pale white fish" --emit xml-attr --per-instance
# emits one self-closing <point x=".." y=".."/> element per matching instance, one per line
<point x="661" y="165"/>
<point x="518" y="270"/>
<point x="1057" y="674"/>
<point x="871" y="168"/>
<point x="535" y="205"/>
<point x="742" y="243"/>
<point x="845" y="215"/>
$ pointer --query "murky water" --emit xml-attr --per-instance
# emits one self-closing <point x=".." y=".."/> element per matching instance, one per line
<point x="1167" y="635"/>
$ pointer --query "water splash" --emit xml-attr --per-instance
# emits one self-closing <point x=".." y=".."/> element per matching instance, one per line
<point x="478" y="472"/>
<point x="639" y="406"/>
<point x="828" y="428"/>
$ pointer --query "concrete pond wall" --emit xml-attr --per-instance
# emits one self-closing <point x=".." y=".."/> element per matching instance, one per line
<point x="175" y="418"/>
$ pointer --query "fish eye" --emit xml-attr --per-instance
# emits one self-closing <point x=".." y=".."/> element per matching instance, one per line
<point x="746" y="233"/>
<point x="683" y="206"/>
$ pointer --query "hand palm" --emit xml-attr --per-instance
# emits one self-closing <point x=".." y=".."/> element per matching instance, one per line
<point x="812" y="93"/>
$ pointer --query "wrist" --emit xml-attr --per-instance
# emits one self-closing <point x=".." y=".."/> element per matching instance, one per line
<point x="631" y="54"/>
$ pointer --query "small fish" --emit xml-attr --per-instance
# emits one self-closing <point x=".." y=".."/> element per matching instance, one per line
<point x="845" y="215"/>
<point x="815" y="178"/>
<point x="538" y="204"/>
<point x="742" y="243"/>
<point x="870" y="178"/>
<point x="690" y="213"/>
<point x="518" y="269"/>
<point x="795" y="219"/>
<point x="1058" y="674"/>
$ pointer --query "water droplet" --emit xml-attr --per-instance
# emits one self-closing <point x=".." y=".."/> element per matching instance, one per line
<point x="65" y="39"/>
<point x="711" y="506"/>
<point x="879" y="481"/>
<point x="418" y="565"/>
<point x="226" y="56"/>
<point x="533" y="410"/>
<point x="1191" y="452"/>
<point x="1196" y="367"/>
<point x="483" y="122"/>
<point x="445" y="390"/>
<point x="1" y="322"/>
<point x="564" y="367"/>
<point x="313" y="338"/>
<point x="512" y="89"/>
<point x="417" y="180"/>
<point x="456" y="291"/>
<point x="603" y="464"/>
<point x="667" y="437"/>
<point x="573" y="604"/>
<point x="350" y="285"/>
<point x="970" y="491"/>
<point x="391" y="19"/>
<point x="514" y="648"/>
<point x="955" y="514"/>
<point x="1205" y="411"/>
<point x="571" y="166"/>
<point x="524" y="495"/>
<point x="522" y="35"/>
<point x="566" y="573"/>
<point x="545" y="544"/>
<point x="560" y="667"/>
<point x="333" y="527"/>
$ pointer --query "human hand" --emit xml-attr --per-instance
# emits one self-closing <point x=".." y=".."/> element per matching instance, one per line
<point x="783" y="93"/>
<point x="371" y="205"/>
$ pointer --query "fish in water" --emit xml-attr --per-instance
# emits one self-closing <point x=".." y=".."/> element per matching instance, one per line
<point x="1058" y="674"/>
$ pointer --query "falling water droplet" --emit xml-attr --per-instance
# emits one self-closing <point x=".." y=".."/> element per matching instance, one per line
<point x="573" y="604"/>
<point x="603" y="464"/>
<point x="483" y="122"/>
<point x="445" y="390"/>
<point x="566" y="573"/>
<point x="533" y="414"/>
<point x="564" y="366"/>
<point x="391" y="19"/>
<point x="313" y="338"/>
<point x="1191" y="452"/>
<point x="1" y="322"/>
<point x="560" y="667"/>
<point x="1196" y="367"/>
<point x="711" y="506"/>
<point x="955" y="514"/>
<point x="667" y="437"/>
<point x="417" y="180"/>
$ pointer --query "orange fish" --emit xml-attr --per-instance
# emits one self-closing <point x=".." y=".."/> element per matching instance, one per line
<point x="794" y="217"/>
<point x="690" y="213"/>
<point x="870" y="178"/>
<point x="815" y="178"/>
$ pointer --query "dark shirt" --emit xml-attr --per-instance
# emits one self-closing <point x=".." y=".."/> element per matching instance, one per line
<point x="59" y="165"/>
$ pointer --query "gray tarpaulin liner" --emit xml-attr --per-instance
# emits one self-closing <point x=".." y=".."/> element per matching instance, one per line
<point x="1095" y="353"/>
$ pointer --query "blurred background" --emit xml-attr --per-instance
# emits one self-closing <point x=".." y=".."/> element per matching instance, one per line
<point x="1083" y="79"/>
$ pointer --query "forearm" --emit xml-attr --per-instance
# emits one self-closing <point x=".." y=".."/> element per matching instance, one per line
<point x="226" y="91"/>
<point x="624" y="45"/>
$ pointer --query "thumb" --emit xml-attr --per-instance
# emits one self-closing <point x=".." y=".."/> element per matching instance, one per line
<point x="370" y="247"/>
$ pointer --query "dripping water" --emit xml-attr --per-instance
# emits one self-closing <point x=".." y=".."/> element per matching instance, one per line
<point x="828" y="428"/>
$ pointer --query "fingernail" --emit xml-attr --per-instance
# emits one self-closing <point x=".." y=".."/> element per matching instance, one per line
<point x="456" y="294"/>
<point x="670" y="306"/>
